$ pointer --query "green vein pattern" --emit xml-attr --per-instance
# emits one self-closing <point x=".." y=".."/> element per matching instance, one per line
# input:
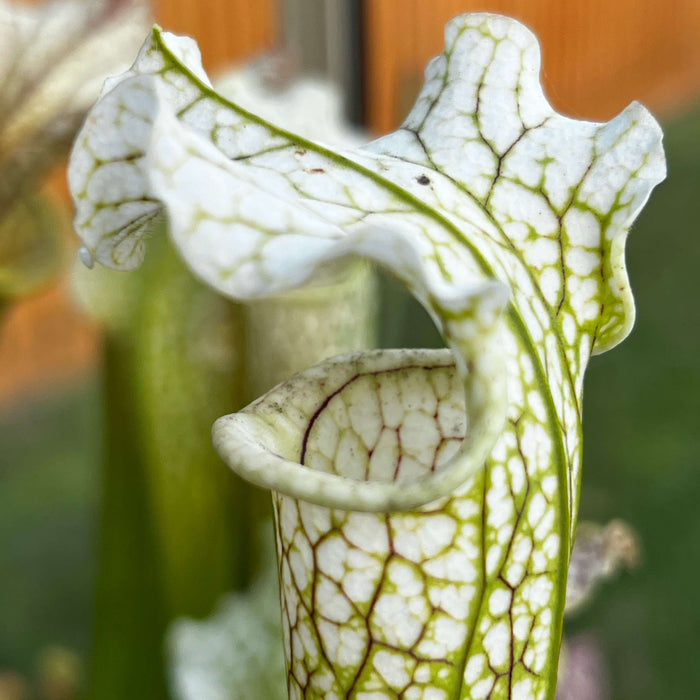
<point x="483" y="189"/>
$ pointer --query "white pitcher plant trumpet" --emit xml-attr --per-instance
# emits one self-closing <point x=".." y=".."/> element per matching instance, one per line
<point x="425" y="500"/>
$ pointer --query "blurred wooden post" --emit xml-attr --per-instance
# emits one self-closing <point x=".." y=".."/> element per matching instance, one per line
<point x="598" y="55"/>
<point x="227" y="31"/>
<point x="322" y="37"/>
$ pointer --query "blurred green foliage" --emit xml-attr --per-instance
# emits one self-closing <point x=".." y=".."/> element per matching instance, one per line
<point x="49" y="452"/>
<point x="642" y="444"/>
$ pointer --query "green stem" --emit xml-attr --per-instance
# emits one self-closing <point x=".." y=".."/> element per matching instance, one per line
<point x="290" y="332"/>
<point x="178" y="527"/>
<point x="188" y="364"/>
<point x="129" y="618"/>
<point x="168" y="536"/>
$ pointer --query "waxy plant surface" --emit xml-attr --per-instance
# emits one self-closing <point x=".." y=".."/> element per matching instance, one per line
<point x="508" y="222"/>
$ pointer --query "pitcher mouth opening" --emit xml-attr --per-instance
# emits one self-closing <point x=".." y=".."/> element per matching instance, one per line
<point x="390" y="425"/>
<point x="375" y="431"/>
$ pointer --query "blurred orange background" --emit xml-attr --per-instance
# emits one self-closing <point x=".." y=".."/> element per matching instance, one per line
<point x="597" y="57"/>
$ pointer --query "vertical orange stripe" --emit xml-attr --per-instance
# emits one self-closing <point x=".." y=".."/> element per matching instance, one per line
<point x="226" y="30"/>
<point x="380" y="62"/>
<point x="597" y="56"/>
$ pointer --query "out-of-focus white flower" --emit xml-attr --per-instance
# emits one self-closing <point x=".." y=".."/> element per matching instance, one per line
<point x="54" y="57"/>
<point x="599" y="553"/>
<point x="53" y="60"/>
<point x="237" y="652"/>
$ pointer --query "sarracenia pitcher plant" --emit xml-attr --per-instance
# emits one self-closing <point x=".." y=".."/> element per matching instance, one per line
<point x="425" y="500"/>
